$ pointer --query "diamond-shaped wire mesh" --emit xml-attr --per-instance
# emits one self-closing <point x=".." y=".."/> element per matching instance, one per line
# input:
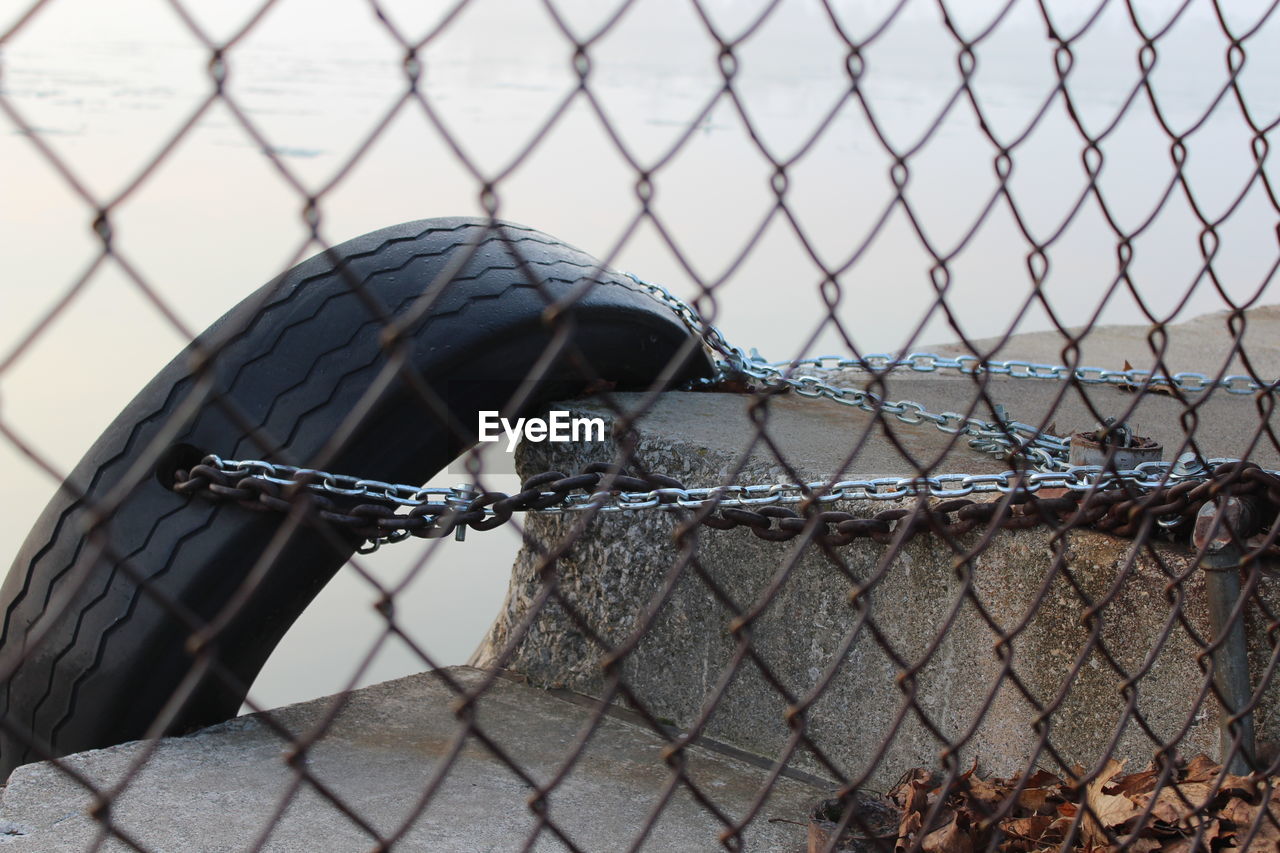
<point x="983" y="190"/>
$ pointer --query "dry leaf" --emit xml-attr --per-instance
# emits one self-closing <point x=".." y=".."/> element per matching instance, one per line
<point x="1127" y="385"/>
<point x="1242" y="785"/>
<point x="1199" y="809"/>
<point x="1243" y="815"/>
<point x="913" y="797"/>
<point x="917" y="796"/>
<point x="1239" y="812"/>
<point x="914" y="781"/>
<point x="1043" y="779"/>
<point x="985" y="795"/>
<point x="1041" y="788"/>
<point x="1033" y="828"/>
<point x="1036" y="800"/>
<point x="1175" y="803"/>
<point x="1066" y="817"/>
<point x="1108" y="810"/>
<point x="1158" y="386"/>
<point x="1136" y="783"/>
<point x="951" y="838"/>
<point x="907" y="830"/>
<point x="1201" y="769"/>
<point x="1212" y="829"/>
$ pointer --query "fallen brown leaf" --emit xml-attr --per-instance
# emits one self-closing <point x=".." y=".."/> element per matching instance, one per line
<point x="1175" y="803"/>
<point x="1136" y="783"/>
<point x="1061" y="825"/>
<point x="916" y="782"/>
<point x="1199" y="808"/>
<point x="1032" y="828"/>
<point x="912" y="796"/>
<point x="950" y="838"/>
<point x="1107" y="811"/>
<point x="1043" y="779"/>
<point x="1212" y="829"/>
<point x="1154" y="387"/>
<point x="1244" y="815"/>
<point x="1200" y="769"/>
<point x="984" y="794"/>
<point x="1239" y="812"/>
<point x="907" y="829"/>
<point x="1037" y="800"/>
<point x="1041" y="792"/>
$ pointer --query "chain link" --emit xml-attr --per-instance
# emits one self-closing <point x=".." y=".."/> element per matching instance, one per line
<point x="1077" y="478"/>
<point x="368" y="507"/>
<point x="387" y="512"/>
<point x="1003" y="438"/>
<point x="1143" y="380"/>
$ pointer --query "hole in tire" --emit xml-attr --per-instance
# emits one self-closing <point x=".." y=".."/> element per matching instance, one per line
<point x="179" y="457"/>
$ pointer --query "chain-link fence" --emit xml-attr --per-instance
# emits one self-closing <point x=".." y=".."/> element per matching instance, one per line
<point x="995" y="576"/>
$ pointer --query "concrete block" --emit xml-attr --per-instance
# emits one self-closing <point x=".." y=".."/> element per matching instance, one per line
<point x="1027" y="649"/>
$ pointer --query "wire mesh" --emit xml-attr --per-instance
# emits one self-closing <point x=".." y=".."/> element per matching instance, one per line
<point x="848" y="176"/>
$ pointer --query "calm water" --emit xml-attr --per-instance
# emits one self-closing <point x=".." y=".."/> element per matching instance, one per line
<point x="106" y="85"/>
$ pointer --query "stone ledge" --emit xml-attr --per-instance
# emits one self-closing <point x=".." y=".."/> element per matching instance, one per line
<point x="217" y="789"/>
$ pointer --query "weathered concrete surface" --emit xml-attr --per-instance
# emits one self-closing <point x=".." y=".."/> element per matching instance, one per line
<point x="1012" y="608"/>
<point x="220" y="789"/>
<point x="1200" y="345"/>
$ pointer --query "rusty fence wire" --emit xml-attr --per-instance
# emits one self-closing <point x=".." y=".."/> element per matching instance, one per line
<point x="956" y="587"/>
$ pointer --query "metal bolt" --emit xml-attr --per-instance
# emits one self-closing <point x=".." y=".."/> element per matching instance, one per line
<point x="464" y="494"/>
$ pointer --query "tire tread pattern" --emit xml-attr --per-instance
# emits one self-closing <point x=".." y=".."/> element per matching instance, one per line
<point x="276" y="354"/>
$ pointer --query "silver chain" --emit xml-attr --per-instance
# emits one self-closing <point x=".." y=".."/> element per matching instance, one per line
<point x="1003" y="438"/>
<point x="927" y="362"/>
<point x="1078" y="478"/>
<point x="1046" y="455"/>
<point x="1138" y="380"/>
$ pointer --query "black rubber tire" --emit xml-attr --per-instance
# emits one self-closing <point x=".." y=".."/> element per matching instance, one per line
<point x="88" y="658"/>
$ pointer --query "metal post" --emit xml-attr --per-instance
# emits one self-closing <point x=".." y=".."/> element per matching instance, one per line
<point x="1214" y="526"/>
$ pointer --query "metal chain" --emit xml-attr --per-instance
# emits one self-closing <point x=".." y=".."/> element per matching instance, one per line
<point x="384" y="512"/>
<point x="1078" y="478"/>
<point x="1140" y="380"/>
<point x="969" y="365"/>
<point x="1004" y="438"/>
